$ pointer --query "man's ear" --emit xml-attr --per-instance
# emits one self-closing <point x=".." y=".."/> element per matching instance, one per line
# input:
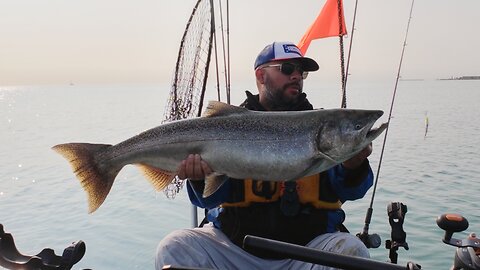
<point x="259" y="74"/>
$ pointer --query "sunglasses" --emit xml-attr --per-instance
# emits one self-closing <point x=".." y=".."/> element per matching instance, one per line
<point x="289" y="68"/>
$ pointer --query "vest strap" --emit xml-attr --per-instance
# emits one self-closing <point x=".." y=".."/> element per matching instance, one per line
<point x="289" y="202"/>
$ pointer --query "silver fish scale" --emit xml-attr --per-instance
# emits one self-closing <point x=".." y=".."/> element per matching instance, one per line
<point x="259" y="142"/>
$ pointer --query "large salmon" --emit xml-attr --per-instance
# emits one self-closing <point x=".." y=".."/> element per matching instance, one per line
<point x="236" y="142"/>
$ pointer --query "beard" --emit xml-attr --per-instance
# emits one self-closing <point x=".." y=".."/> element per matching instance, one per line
<point x="278" y="99"/>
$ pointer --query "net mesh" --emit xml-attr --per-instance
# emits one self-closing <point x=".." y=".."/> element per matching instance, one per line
<point x="191" y="71"/>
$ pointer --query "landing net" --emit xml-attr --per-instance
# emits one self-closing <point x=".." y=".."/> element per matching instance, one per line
<point x="191" y="71"/>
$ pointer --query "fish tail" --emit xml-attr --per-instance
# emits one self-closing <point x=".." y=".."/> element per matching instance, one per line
<point x="96" y="180"/>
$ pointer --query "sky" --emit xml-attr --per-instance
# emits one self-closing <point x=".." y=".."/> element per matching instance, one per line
<point x="107" y="41"/>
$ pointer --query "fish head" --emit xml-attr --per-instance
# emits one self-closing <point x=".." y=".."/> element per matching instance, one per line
<point x="345" y="132"/>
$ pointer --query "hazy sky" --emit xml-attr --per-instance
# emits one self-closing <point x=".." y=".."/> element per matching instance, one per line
<point x="96" y="41"/>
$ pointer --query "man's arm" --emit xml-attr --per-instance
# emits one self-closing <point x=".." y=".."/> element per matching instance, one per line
<point x="354" y="177"/>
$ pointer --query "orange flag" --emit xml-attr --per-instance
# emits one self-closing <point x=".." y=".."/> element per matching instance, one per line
<point x="326" y="25"/>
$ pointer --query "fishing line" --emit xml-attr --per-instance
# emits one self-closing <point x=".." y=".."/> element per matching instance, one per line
<point x="368" y="217"/>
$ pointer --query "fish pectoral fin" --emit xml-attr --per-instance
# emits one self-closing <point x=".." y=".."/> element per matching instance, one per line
<point x="157" y="177"/>
<point x="319" y="165"/>
<point x="321" y="155"/>
<point x="212" y="183"/>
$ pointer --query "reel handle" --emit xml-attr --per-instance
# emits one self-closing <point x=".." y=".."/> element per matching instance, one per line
<point x="468" y="250"/>
<point x="451" y="223"/>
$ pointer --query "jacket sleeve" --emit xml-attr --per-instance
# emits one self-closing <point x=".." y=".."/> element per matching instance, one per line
<point x="195" y="193"/>
<point x="351" y="184"/>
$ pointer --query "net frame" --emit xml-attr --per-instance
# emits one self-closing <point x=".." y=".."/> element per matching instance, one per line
<point x="191" y="72"/>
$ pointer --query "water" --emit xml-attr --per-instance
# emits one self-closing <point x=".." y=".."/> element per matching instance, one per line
<point x="43" y="205"/>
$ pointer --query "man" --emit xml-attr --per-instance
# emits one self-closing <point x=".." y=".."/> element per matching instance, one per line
<point x="305" y="212"/>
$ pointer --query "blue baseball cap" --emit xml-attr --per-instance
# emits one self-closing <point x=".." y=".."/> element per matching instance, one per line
<point x="278" y="51"/>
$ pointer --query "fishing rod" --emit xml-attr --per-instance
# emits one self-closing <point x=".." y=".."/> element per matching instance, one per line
<point x="226" y="65"/>
<point x="365" y="236"/>
<point x="216" y="59"/>
<point x="320" y="257"/>
<point x="228" y="53"/>
<point x="350" y="47"/>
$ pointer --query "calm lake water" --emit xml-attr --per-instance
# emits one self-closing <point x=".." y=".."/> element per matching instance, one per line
<point x="43" y="205"/>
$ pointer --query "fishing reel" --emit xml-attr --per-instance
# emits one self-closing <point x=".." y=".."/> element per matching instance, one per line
<point x="369" y="240"/>
<point x="11" y="258"/>
<point x="467" y="255"/>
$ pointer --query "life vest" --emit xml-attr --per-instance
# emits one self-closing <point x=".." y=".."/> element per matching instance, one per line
<point x="314" y="190"/>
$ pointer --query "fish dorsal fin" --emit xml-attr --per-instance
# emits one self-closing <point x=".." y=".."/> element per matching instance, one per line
<point x="157" y="177"/>
<point x="217" y="108"/>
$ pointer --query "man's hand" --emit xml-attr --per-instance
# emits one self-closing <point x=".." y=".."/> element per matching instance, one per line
<point x="193" y="168"/>
<point x="357" y="160"/>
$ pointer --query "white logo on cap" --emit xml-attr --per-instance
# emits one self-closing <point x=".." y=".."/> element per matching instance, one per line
<point x="289" y="48"/>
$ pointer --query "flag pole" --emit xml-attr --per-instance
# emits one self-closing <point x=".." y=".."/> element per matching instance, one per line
<point x="329" y="23"/>
<point x="342" y="54"/>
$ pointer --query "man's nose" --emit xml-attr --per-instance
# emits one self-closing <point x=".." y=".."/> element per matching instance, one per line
<point x="296" y="75"/>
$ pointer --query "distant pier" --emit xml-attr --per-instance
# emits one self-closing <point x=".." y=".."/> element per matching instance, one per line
<point x="463" y="78"/>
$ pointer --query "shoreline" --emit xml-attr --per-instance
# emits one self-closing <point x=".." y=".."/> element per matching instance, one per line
<point x="461" y="78"/>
